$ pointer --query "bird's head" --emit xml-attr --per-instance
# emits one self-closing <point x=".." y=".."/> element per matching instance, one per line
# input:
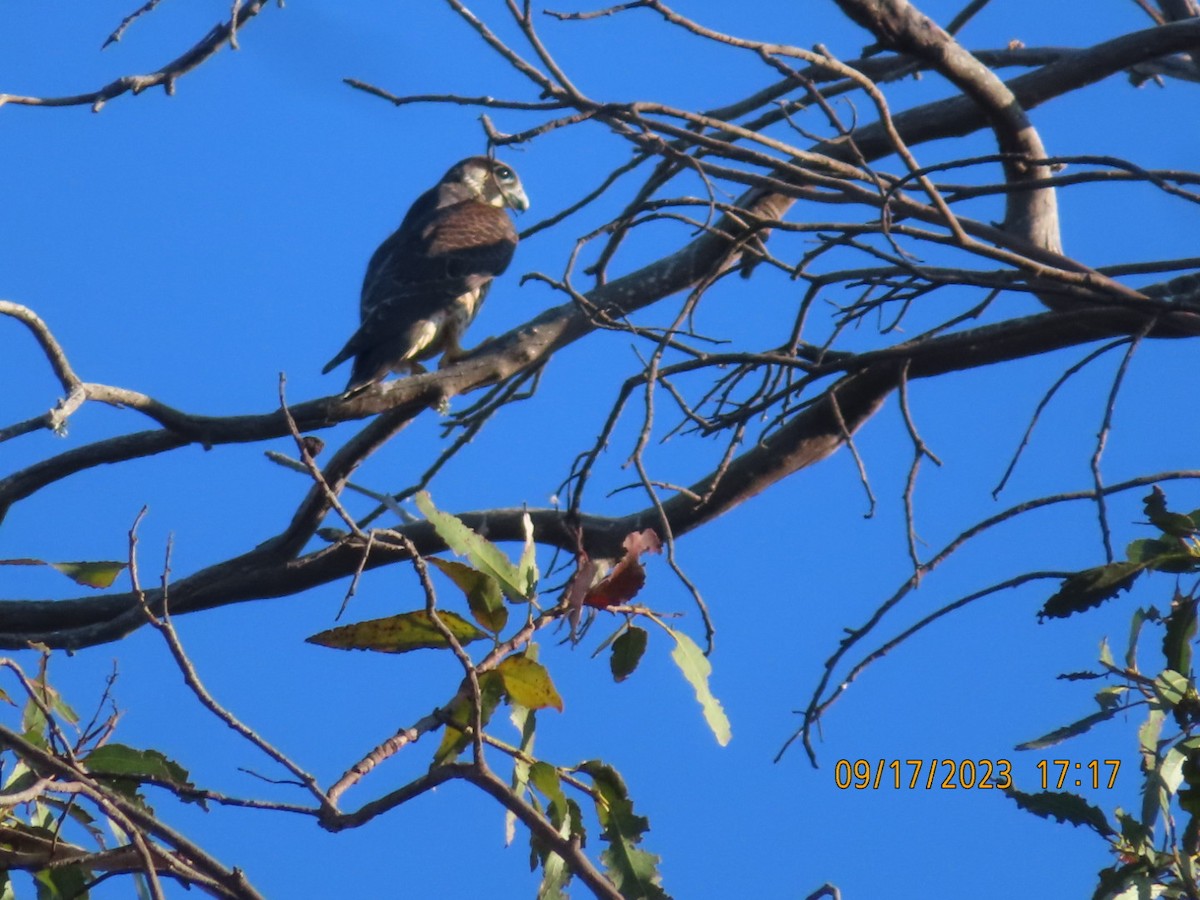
<point x="490" y="181"/>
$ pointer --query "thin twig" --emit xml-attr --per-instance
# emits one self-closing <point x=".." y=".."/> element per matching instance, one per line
<point x="163" y="625"/>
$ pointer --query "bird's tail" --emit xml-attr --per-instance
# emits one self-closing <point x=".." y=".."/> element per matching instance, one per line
<point x="344" y="355"/>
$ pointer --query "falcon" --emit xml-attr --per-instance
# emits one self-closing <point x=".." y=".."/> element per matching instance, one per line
<point x="427" y="281"/>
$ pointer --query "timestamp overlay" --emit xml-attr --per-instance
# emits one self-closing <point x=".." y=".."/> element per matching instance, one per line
<point x="971" y="774"/>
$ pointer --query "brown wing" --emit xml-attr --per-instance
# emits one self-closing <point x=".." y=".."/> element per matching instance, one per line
<point x="465" y="241"/>
<point x="438" y="255"/>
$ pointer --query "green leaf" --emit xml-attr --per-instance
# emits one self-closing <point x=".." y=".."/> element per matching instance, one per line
<point x="1170" y="772"/>
<point x="1163" y="556"/>
<point x="633" y="870"/>
<point x="1134" y="881"/>
<point x="1081" y="676"/>
<point x="1181" y="628"/>
<point x="57" y="704"/>
<point x="33" y="724"/>
<point x="481" y="590"/>
<point x="528" y="683"/>
<point x="121" y="760"/>
<point x="62" y="882"/>
<point x="1176" y="563"/>
<point x="480" y="552"/>
<point x="20" y="778"/>
<point x="460" y="713"/>
<point x="565" y="816"/>
<point x="1135" y="632"/>
<point x="1174" y="524"/>
<point x="1171" y="688"/>
<point x="575" y="817"/>
<point x="1063" y="807"/>
<point x="1135" y="834"/>
<point x="546" y="779"/>
<point x="34" y="727"/>
<point x="1187" y="863"/>
<point x="1189" y="796"/>
<point x="1148" y="735"/>
<point x="1145" y="549"/>
<point x="525" y="721"/>
<point x="555" y="874"/>
<point x="1090" y="588"/>
<point x="1058" y="735"/>
<point x="124" y="768"/>
<point x="695" y="668"/>
<point x="627" y="652"/>
<point x="79" y="815"/>
<point x="399" y="634"/>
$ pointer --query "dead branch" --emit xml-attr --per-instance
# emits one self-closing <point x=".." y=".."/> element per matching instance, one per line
<point x="166" y="76"/>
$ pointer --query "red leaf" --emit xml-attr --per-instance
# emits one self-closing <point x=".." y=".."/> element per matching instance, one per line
<point x="619" y="586"/>
<point x="639" y="542"/>
<point x="627" y="577"/>
<point x="578" y="587"/>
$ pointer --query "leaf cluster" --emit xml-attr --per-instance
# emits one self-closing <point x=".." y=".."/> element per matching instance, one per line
<point x="68" y="792"/>
<point x="1156" y="847"/>
<point x="493" y="587"/>
<point x="1176" y="549"/>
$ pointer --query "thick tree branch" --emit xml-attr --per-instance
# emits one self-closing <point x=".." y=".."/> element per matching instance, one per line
<point x="271" y="569"/>
<point x="274" y="568"/>
<point x="1032" y="214"/>
<point x="538" y="339"/>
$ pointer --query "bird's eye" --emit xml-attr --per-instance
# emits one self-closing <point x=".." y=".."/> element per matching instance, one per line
<point x="504" y="173"/>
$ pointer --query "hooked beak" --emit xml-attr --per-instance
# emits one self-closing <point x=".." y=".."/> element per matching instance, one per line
<point x="516" y="199"/>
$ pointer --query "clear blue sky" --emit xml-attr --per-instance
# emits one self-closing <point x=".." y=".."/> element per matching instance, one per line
<point x="194" y="247"/>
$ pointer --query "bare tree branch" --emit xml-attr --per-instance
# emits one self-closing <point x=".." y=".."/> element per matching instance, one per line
<point x="166" y="76"/>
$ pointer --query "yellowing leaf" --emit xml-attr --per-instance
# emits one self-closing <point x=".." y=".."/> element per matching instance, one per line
<point x="99" y="574"/>
<point x="398" y="634"/>
<point x="91" y="574"/>
<point x="455" y="740"/>
<point x="528" y="683"/>
<point x="481" y="590"/>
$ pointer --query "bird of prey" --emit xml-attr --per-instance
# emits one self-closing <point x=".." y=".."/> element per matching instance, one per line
<point x="427" y="281"/>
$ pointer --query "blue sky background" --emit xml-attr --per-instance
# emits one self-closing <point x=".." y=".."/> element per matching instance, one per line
<point x="194" y="247"/>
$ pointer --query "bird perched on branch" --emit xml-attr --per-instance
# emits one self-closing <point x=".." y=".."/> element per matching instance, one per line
<point x="427" y="281"/>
